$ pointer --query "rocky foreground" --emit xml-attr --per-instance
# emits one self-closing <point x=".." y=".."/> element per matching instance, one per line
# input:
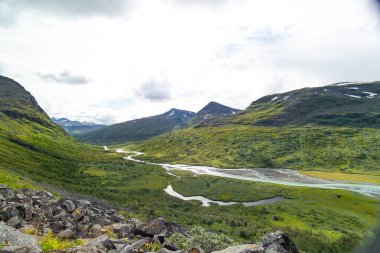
<point x="27" y="217"/>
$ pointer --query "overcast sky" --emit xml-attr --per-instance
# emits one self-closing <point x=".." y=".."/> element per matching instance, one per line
<point x="109" y="61"/>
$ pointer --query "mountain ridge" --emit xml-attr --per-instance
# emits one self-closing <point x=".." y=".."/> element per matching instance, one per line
<point x="345" y="104"/>
<point x="76" y="127"/>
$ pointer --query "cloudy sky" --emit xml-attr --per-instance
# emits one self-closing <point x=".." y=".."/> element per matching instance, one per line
<point x="109" y="61"/>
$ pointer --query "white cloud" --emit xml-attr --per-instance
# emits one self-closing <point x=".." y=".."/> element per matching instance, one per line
<point x="64" y="77"/>
<point x="229" y="51"/>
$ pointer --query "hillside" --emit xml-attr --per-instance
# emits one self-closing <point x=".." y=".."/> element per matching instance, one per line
<point x="323" y="128"/>
<point x="76" y="127"/>
<point x="343" y="104"/>
<point x="139" y="129"/>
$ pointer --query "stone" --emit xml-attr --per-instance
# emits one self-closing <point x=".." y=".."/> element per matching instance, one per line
<point x="196" y="250"/>
<point x="277" y="240"/>
<point x="67" y="205"/>
<point x="159" y="227"/>
<point x="14" y="222"/>
<point x="122" y="229"/>
<point x="28" y="214"/>
<point x="171" y="247"/>
<point x="17" y="241"/>
<point x="239" y="249"/>
<point x="164" y="250"/>
<point x="133" y="248"/>
<point x="66" y="234"/>
<point x="3" y="201"/>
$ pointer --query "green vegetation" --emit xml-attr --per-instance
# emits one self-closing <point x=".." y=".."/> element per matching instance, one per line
<point x="200" y="237"/>
<point x="338" y="218"/>
<point x="308" y="148"/>
<point x="50" y="242"/>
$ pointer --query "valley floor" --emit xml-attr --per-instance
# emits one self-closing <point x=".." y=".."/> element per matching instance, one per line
<point x="319" y="220"/>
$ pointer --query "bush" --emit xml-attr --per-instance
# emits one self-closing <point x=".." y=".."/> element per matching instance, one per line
<point x="200" y="237"/>
<point x="51" y="242"/>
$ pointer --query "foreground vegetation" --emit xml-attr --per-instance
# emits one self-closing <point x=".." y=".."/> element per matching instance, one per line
<point x="329" y="149"/>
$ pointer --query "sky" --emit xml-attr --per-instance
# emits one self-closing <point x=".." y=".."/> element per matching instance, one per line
<point x="108" y="61"/>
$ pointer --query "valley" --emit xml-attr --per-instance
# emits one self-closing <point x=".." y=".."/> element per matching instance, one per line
<point x="318" y="216"/>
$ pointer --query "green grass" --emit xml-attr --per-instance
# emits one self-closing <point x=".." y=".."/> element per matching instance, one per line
<point x="310" y="148"/>
<point x="333" y="216"/>
<point x="372" y="179"/>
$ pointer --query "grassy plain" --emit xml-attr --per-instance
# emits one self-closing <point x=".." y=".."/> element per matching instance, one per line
<point x="363" y="178"/>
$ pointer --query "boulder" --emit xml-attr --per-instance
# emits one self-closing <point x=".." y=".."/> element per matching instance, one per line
<point x="16" y="241"/>
<point x="278" y="242"/>
<point x="67" y="205"/>
<point x="241" y="248"/>
<point x="14" y="222"/>
<point x="66" y="234"/>
<point x="159" y="227"/>
<point x="132" y="248"/>
<point x="164" y="250"/>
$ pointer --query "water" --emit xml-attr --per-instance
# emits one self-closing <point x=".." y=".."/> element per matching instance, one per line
<point x="206" y="202"/>
<point x="276" y="176"/>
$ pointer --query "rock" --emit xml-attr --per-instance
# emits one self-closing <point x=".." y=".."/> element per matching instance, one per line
<point x="158" y="227"/>
<point x="3" y="201"/>
<point x="17" y="241"/>
<point x="171" y="247"/>
<point x="196" y="250"/>
<point x="14" y="222"/>
<point x="278" y="241"/>
<point x="122" y="229"/>
<point x="136" y="247"/>
<point x="28" y="214"/>
<point x="102" y="240"/>
<point x="67" y="204"/>
<point x="241" y="248"/>
<point x="163" y="250"/>
<point x="66" y="234"/>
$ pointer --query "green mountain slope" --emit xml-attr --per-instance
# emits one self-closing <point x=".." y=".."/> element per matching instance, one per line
<point x="323" y="128"/>
<point x="31" y="144"/>
<point x="344" y="104"/>
<point x="139" y="129"/>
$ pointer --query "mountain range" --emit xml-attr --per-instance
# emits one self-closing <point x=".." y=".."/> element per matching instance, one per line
<point x="76" y="127"/>
<point x="141" y="129"/>
<point x="326" y="128"/>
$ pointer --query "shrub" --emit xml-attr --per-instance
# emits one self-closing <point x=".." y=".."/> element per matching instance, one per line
<point x="198" y="236"/>
<point x="52" y="242"/>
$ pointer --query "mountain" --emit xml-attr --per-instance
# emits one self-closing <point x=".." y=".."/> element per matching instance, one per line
<point x="31" y="144"/>
<point x="211" y="111"/>
<point x="76" y="127"/>
<point x="342" y="104"/>
<point x="330" y="128"/>
<point x="139" y="129"/>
